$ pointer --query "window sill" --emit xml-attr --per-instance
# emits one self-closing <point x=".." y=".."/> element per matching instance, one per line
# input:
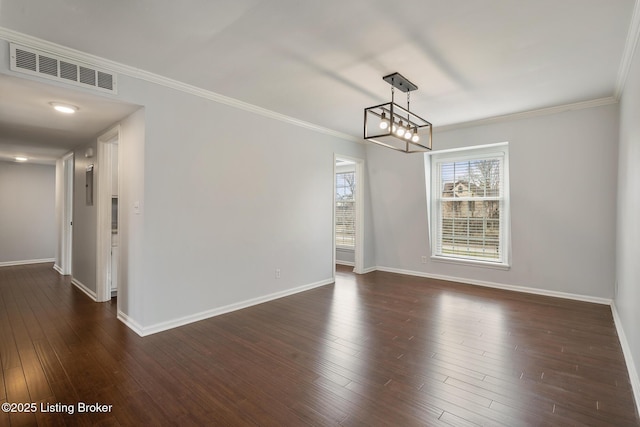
<point x="346" y="248"/>
<point x="471" y="262"/>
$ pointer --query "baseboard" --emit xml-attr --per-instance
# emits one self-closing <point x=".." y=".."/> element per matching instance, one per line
<point x="130" y="323"/>
<point x="57" y="268"/>
<point x="628" y="356"/>
<point x="515" y="288"/>
<point x="84" y="289"/>
<point x="369" y="270"/>
<point x="347" y="263"/>
<point x="163" y="326"/>
<point x="26" y="261"/>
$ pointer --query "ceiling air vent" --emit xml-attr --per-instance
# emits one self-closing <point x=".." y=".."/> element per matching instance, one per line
<point x="43" y="64"/>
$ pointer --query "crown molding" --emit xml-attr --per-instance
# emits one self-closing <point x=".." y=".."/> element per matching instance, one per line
<point x="633" y="35"/>
<point x="78" y="56"/>
<point x="530" y="113"/>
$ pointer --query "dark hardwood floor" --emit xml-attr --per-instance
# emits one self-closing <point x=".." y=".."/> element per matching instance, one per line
<point x="373" y="350"/>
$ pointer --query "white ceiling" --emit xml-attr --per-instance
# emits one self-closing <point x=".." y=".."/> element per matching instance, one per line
<point x="323" y="61"/>
<point x="29" y="126"/>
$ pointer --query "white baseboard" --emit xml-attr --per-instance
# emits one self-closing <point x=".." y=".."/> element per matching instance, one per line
<point x="347" y="263"/>
<point x="57" y="268"/>
<point x="163" y="326"/>
<point x="369" y="270"/>
<point x="26" y="261"/>
<point x="523" y="289"/>
<point x="84" y="289"/>
<point x="131" y="324"/>
<point x="628" y="356"/>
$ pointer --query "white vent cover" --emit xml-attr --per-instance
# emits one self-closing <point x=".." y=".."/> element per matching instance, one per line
<point x="43" y="64"/>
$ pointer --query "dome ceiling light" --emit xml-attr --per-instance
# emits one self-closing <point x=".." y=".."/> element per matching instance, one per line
<point x="64" y="108"/>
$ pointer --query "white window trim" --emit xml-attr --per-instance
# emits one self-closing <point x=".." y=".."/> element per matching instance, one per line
<point x="474" y="152"/>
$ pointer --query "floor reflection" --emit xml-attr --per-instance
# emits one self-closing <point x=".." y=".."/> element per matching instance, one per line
<point x="346" y="330"/>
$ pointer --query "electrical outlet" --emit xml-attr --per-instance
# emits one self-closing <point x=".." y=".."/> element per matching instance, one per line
<point x="277" y="273"/>
<point x="424" y="259"/>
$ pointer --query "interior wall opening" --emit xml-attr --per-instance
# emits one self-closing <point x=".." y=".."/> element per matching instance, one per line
<point x="348" y="223"/>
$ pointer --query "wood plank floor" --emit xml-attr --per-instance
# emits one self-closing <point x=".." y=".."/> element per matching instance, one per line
<point x="372" y="350"/>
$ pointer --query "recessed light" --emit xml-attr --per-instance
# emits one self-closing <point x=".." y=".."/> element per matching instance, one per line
<point x="64" y="108"/>
<point x="20" y="159"/>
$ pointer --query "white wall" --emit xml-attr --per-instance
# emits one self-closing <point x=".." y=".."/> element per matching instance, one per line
<point x="85" y="219"/>
<point x="563" y="192"/>
<point x="131" y="225"/>
<point x="627" y="301"/>
<point x="345" y="256"/>
<point x="27" y="212"/>
<point x="222" y="209"/>
<point x="59" y="205"/>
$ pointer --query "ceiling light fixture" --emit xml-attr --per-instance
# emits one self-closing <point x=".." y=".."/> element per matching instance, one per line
<point x="402" y="130"/>
<point x="20" y="159"/>
<point x="64" y="108"/>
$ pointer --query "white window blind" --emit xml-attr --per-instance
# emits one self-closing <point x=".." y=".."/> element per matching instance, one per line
<point x="470" y="205"/>
<point x="345" y="209"/>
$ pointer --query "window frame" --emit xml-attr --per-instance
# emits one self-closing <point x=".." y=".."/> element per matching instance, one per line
<point x="434" y="199"/>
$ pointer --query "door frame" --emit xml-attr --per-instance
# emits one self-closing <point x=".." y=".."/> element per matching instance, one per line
<point x="104" y="192"/>
<point x="359" y="208"/>
<point x="66" y="249"/>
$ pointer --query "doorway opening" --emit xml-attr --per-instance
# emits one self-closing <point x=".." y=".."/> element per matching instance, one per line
<point x="347" y="213"/>
<point x="107" y="206"/>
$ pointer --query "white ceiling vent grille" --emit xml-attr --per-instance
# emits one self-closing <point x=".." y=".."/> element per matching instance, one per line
<point x="43" y="64"/>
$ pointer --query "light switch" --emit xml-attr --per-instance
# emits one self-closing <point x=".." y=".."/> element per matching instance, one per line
<point x="136" y="207"/>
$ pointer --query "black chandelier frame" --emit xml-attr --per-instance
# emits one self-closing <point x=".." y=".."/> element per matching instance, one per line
<point x="396" y="115"/>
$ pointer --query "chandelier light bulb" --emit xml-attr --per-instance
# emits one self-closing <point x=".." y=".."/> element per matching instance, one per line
<point x="400" y="130"/>
<point x="384" y="123"/>
<point x="408" y="134"/>
<point x="414" y="135"/>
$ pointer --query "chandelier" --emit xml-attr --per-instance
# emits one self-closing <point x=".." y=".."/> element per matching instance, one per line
<point x="394" y="126"/>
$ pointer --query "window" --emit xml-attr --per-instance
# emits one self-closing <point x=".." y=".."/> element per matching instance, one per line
<point x="475" y="231"/>
<point x="345" y="209"/>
